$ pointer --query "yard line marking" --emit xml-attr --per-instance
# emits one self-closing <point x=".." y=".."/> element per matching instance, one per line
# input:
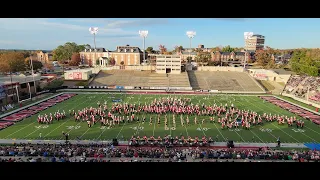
<point x="287" y="133"/>
<point x="313" y="130"/>
<point x="102" y="132"/>
<point x="219" y="131"/>
<point x="275" y="125"/>
<point x="85" y="133"/>
<point x="239" y="135"/>
<point x="202" y="130"/>
<point x="76" y="124"/>
<point x="100" y="99"/>
<point x="19" y="130"/>
<point x="154" y="125"/>
<point x="185" y="126"/>
<point x="253" y="132"/>
<point x="218" y="128"/>
<point x="121" y="128"/>
<point x="67" y="119"/>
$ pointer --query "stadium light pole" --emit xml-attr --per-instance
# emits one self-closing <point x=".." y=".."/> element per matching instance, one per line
<point x="144" y="34"/>
<point x="94" y="31"/>
<point x="34" y="82"/>
<point x="247" y="35"/>
<point x="191" y="35"/>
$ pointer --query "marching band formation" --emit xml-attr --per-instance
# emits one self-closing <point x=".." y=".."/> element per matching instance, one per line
<point x="227" y="115"/>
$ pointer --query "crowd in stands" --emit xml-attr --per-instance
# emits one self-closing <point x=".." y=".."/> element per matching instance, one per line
<point x="300" y="85"/>
<point x="6" y="108"/>
<point x="104" y="153"/>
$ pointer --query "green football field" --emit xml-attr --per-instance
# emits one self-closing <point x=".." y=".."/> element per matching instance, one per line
<point x="29" y="129"/>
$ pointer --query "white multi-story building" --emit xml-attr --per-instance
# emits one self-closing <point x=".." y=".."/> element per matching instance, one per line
<point x="168" y="64"/>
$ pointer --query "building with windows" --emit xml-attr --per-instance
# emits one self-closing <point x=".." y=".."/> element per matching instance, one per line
<point x="123" y="55"/>
<point x="127" y="55"/>
<point x="44" y="57"/>
<point x="168" y="64"/>
<point x="255" y="42"/>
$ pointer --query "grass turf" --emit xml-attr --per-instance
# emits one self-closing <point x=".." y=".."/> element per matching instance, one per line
<point x="267" y="133"/>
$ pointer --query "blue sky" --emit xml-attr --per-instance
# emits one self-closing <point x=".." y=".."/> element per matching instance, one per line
<point x="47" y="34"/>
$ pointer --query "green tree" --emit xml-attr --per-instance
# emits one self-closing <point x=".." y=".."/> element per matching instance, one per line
<point x="150" y="50"/>
<point x="111" y="61"/>
<point x="54" y="84"/>
<point x="64" y="52"/>
<point x="36" y="64"/>
<point x="227" y="49"/>
<point x="189" y="59"/>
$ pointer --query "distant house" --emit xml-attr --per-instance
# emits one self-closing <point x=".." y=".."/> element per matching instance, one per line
<point x="44" y="56"/>
<point x="281" y="59"/>
<point x="231" y="56"/>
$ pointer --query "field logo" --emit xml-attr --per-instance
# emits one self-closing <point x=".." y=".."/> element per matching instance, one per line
<point x="265" y="130"/>
<point x="203" y="129"/>
<point x="73" y="127"/>
<point x="104" y="127"/>
<point x="42" y="126"/>
<point x="298" y="130"/>
<point x="137" y="128"/>
<point x="235" y="130"/>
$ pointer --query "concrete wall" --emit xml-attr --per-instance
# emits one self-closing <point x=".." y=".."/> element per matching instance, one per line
<point x="301" y="100"/>
<point x="269" y="75"/>
<point x="218" y="68"/>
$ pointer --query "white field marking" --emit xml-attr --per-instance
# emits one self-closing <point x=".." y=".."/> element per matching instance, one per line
<point x="19" y="130"/>
<point x="269" y="132"/>
<point x="218" y="128"/>
<point x="121" y="129"/>
<point x="290" y="135"/>
<point x="65" y="121"/>
<point x="275" y="125"/>
<point x="169" y="124"/>
<point x="90" y="128"/>
<point x="312" y="130"/>
<point x="185" y="126"/>
<point x="75" y="125"/>
<point x="40" y="128"/>
<point x="219" y="131"/>
<point x="85" y="133"/>
<point x="154" y="125"/>
<point x="138" y="128"/>
<point x="255" y="133"/>
<point x="202" y="130"/>
<point x="102" y="132"/>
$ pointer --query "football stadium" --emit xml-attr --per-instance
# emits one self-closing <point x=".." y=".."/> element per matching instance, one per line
<point x="128" y="105"/>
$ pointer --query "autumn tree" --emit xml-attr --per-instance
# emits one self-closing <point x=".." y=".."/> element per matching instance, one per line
<point x="203" y="57"/>
<point x="162" y="49"/>
<point x="75" y="59"/>
<point x="12" y="62"/>
<point x="178" y="49"/>
<point x="263" y="58"/>
<point x="227" y="49"/>
<point x="216" y="49"/>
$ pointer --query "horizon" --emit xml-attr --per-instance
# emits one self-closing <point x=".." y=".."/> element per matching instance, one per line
<point x="49" y="33"/>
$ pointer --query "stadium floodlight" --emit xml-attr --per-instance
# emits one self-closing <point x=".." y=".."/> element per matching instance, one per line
<point x="144" y="34"/>
<point x="191" y="35"/>
<point x="94" y="31"/>
<point x="247" y="35"/>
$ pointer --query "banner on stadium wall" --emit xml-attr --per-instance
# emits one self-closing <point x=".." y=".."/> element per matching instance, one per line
<point x="214" y="91"/>
<point x="119" y="87"/>
<point x="128" y="87"/>
<point x="111" y="87"/>
<point x="260" y="76"/>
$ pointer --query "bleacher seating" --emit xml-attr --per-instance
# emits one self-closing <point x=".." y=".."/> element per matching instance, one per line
<point x="223" y="81"/>
<point x="300" y="86"/>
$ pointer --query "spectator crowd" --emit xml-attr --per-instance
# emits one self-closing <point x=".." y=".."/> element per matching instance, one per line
<point x="301" y="85"/>
<point x="107" y="153"/>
